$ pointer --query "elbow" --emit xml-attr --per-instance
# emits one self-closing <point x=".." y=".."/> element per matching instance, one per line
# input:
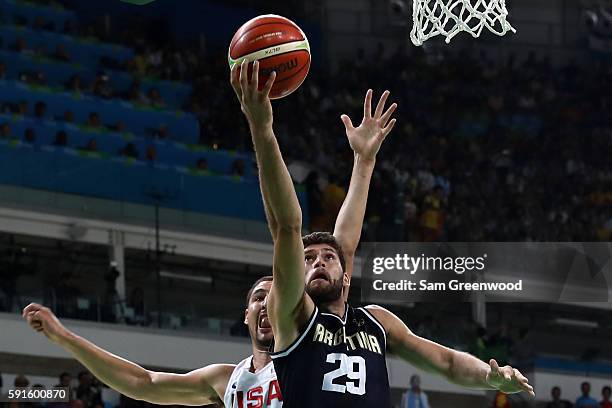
<point x="450" y="364"/>
<point x="289" y="224"/>
<point x="142" y="386"/>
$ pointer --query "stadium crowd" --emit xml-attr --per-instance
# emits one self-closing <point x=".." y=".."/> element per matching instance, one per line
<point x="86" y="391"/>
<point x="485" y="150"/>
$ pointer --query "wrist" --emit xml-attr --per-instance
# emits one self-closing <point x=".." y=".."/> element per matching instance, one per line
<point x="364" y="160"/>
<point x="258" y="128"/>
<point x="65" y="338"/>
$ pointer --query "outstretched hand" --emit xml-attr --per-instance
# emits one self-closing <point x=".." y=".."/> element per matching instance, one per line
<point x="255" y="103"/>
<point x="366" y="139"/>
<point x="508" y="380"/>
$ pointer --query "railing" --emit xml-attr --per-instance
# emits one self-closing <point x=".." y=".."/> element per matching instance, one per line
<point x="111" y="309"/>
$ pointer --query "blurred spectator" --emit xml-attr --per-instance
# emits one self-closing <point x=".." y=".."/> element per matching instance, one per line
<point x="432" y="219"/>
<point x="134" y="94"/>
<point x="93" y="121"/>
<point x="414" y="397"/>
<point x="5" y="131"/>
<point x="101" y="86"/>
<point x="21" y="108"/>
<point x="501" y="400"/>
<point x="585" y="401"/>
<point x="40" y="109"/>
<point x="605" y="397"/>
<point x="151" y="154"/>
<point x="65" y="381"/>
<point x="111" y="303"/>
<point x="29" y="136"/>
<point x="87" y="391"/>
<point x="237" y="168"/>
<point x="21" y="381"/>
<point x="155" y="98"/>
<point x="67" y="117"/>
<point x="557" y="402"/>
<point x="61" y="139"/>
<point x="129" y="151"/>
<point x="37" y="404"/>
<point x="61" y="54"/>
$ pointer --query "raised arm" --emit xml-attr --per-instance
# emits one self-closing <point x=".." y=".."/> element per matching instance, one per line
<point x="457" y="367"/>
<point x="365" y="140"/>
<point x="199" y="387"/>
<point x="289" y="306"/>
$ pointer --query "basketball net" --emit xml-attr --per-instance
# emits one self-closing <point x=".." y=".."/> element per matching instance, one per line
<point x="450" y="17"/>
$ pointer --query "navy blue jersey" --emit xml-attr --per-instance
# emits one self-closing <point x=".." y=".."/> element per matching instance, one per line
<point x="336" y="362"/>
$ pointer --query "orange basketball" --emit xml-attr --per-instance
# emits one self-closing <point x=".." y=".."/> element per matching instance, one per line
<point x="279" y="45"/>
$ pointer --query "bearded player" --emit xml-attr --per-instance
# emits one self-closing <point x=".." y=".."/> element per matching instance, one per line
<point x="327" y="353"/>
<point x="253" y="380"/>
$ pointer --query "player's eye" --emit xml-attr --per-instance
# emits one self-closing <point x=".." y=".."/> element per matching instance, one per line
<point x="308" y="258"/>
<point x="330" y="257"/>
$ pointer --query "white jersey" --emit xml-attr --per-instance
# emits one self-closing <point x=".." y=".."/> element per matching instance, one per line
<point x="253" y="390"/>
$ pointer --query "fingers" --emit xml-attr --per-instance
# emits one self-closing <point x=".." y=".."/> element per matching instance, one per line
<point x="381" y="105"/>
<point x="269" y="84"/>
<point x="494" y="367"/>
<point x="244" y="80"/>
<point x="32" y="307"/>
<point x="367" y="105"/>
<point x="348" y="124"/>
<point x="387" y="115"/>
<point x="235" y="81"/>
<point x="524" y="382"/>
<point x="387" y="129"/>
<point x="255" y="76"/>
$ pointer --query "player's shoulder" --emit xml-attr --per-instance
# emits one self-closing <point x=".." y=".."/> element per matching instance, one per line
<point x="378" y="314"/>
<point x="220" y="370"/>
<point x="385" y="317"/>
<point x="377" y="311"/>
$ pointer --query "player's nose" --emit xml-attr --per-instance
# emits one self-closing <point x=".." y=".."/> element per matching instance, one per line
<point x="320" y="261"/>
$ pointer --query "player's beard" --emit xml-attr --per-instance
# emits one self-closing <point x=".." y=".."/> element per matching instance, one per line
<point x="327" y="294"/>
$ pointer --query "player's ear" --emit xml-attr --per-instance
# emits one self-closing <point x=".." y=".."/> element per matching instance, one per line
<point x="246" y="316"/>
<point x="346" y="280"/>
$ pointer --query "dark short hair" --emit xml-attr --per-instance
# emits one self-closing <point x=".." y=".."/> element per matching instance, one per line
<point x="64" y="374"/>
<point x="606" y="388"/>
<point x="315" y="238"/>
<point x="267" y="278"/>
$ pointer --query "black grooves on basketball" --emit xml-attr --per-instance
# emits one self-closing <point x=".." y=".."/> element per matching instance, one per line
<point x="263" y="24"/>
<point x="296" y="72"/>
